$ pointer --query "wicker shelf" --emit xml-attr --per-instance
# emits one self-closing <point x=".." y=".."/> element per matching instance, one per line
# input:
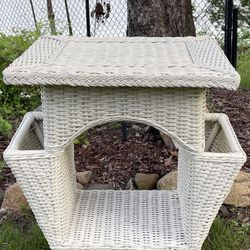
<point x="125" y="220"/>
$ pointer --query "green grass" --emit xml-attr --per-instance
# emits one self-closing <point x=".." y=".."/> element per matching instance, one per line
<point x="223" y="236"/>
<point x="227" y="235"/>
<point x="15" y="236"/>
<point x="243" y="68"/>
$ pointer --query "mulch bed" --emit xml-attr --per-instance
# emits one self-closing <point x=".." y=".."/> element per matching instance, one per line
<point x="236" y="104"/>
<point x="115" y="162"/>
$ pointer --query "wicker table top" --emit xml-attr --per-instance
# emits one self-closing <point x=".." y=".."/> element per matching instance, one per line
<point x="145" y="62"/>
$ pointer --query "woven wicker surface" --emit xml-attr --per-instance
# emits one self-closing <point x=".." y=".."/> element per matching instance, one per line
<point x="133" y="220"/>
<point x="146" y="62"/>
<point x="72" y="220"/>
<point x="69" y="111"/>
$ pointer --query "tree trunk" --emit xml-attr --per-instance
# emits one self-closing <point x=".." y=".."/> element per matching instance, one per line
<point x="51" y="17"/>
<point x="160" y="18"/>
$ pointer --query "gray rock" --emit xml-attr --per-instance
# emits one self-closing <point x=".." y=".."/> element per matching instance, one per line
<point x="224" y="211"/>
<point x="3" y="215"/>
<point x="130" y="185"/>
<point x="239" y="195"/>
<point x="3" y="211"/>
<point x="136" y="127"/>
<point x="168" y="181"/>
<point x="168" y="141"/>
<point x="79" y="186"/>
<point x="146" y="181"/>
<point x="14" y="200"/>
<point x="84" y="177"/>
<point x="100" y="186"/>
<point x="242" y="177"/>
<point x="246" y="219"/>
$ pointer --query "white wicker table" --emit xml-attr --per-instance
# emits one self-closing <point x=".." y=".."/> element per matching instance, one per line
<point x="158" y="81"/>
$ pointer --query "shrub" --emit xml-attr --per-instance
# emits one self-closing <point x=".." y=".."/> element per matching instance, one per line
<point x="5" y="127"/>
<point x="16" y="100"/>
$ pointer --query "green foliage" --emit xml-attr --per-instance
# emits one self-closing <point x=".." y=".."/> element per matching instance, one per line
<point x="22" y="233"/>
<point x="215" y="13"/>
<point x="16" y="101"/>
<point x="5" y="127"/>
<point x="82" y="139"/>
<point x="243" y="68"/>
<point x="227" y="236"/>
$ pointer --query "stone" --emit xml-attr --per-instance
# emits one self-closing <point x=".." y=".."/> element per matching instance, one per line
<point x="146" y="181"/>
<point x="101" y="186"/>
<point x="84" y="177"/>
<point x="14" y="200"/>
<point x="246" y="219"/>
<point x="137" y="134"/>
<point x="239" y="195"/>
<point x="3" y="215"/>
<point x="3" y="212"/>
<point x="130" y="185"/>
<point x="1" y="196"/>
<point x="168" y="181"/>
<point x="79" y="186"/>
<point x="242" y="177"/>
<point x="167" y="141"/>
<point x="136" y="127"/>
<point x="224" y="211"/>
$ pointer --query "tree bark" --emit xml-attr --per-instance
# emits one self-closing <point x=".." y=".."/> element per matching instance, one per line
<point x="51" y="17"/>
<point x="160" y="18"/>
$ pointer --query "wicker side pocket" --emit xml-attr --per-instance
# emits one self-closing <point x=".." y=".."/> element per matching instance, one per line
<point x="47" y="178"/>
<point x="204" y="179"/>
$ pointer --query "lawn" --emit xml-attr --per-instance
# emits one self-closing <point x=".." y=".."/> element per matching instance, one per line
<point x="224" y="235"/>
<point x="22" y="234"/>
<point x="243" y="68"/>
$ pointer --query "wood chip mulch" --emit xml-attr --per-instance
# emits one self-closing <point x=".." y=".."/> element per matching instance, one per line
<point x="235" y="104"/>
<point x="115" y="162"/>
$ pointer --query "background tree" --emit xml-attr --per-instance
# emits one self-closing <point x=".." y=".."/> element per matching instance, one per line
<point x="160" y="18"/>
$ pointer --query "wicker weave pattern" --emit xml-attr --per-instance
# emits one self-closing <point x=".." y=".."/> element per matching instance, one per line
<point x="204" y="181"/>
<point x="205" y="52"/>
<point x="202" y="189"/>
<point x="48" y="182"/>
<point x="139" y="62"/>
<point x="38" y="54"/>
<point x="181" y="111"/>
<point x="89" y="219"/>
<point x="133" y="220"/>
